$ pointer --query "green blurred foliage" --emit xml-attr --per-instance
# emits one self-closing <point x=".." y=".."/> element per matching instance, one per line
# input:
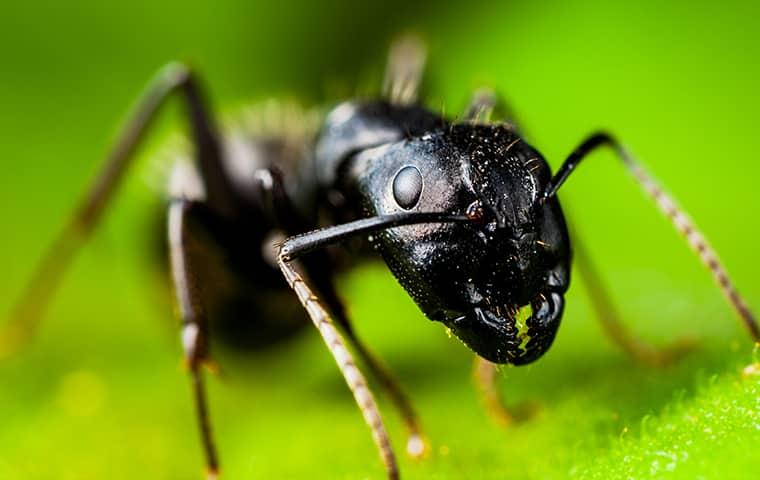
<point x="100" y="394"/>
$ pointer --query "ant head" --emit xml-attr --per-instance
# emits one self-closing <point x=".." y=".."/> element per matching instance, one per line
<point x="497" y="282"/>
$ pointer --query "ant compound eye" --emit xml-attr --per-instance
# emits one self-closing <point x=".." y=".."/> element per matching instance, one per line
<point x="407" y="187"/>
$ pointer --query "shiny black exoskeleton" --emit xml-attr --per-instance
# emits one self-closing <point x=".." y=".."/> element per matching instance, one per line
<point x="474" y="277"/>
<point x="464" y="213"/>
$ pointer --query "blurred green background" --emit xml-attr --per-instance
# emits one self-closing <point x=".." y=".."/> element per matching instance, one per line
<point x="100" y="394"/>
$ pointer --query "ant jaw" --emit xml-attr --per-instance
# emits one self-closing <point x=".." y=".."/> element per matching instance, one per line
<point x="511" y="334"/>
<point x="488" y="333"/>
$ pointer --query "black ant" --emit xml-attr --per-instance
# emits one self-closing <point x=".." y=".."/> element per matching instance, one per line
<point x="465" y="214"/>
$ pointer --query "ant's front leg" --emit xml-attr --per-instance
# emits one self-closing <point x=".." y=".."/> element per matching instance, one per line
<point x="189" y="231"/>
<point x="485" y="373"/>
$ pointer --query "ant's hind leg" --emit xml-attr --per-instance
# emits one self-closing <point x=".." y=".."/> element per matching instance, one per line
<point x="175" y="78"/>
<point x="186" y="249"/>
<point x="485" y="374"/>
<point x="604" y="307"/>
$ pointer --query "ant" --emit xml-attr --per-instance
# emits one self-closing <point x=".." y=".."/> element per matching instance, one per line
<point x="464" y="212"/>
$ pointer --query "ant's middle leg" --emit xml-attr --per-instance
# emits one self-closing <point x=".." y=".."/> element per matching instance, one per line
<point x="191" y="231"/>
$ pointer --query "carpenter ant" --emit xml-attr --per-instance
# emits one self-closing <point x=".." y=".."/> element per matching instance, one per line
<point x="465" y="214"/>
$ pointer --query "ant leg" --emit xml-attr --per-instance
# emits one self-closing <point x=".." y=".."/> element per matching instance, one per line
<point x="484" y="373"/>
<point x="348" y="368"/>
<point x="185" y="250"/>
<point x="28" y="310"/>
<point x="403" y="74"/>
<point x="680" y="220"/>
<point x="601" y="302"/>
